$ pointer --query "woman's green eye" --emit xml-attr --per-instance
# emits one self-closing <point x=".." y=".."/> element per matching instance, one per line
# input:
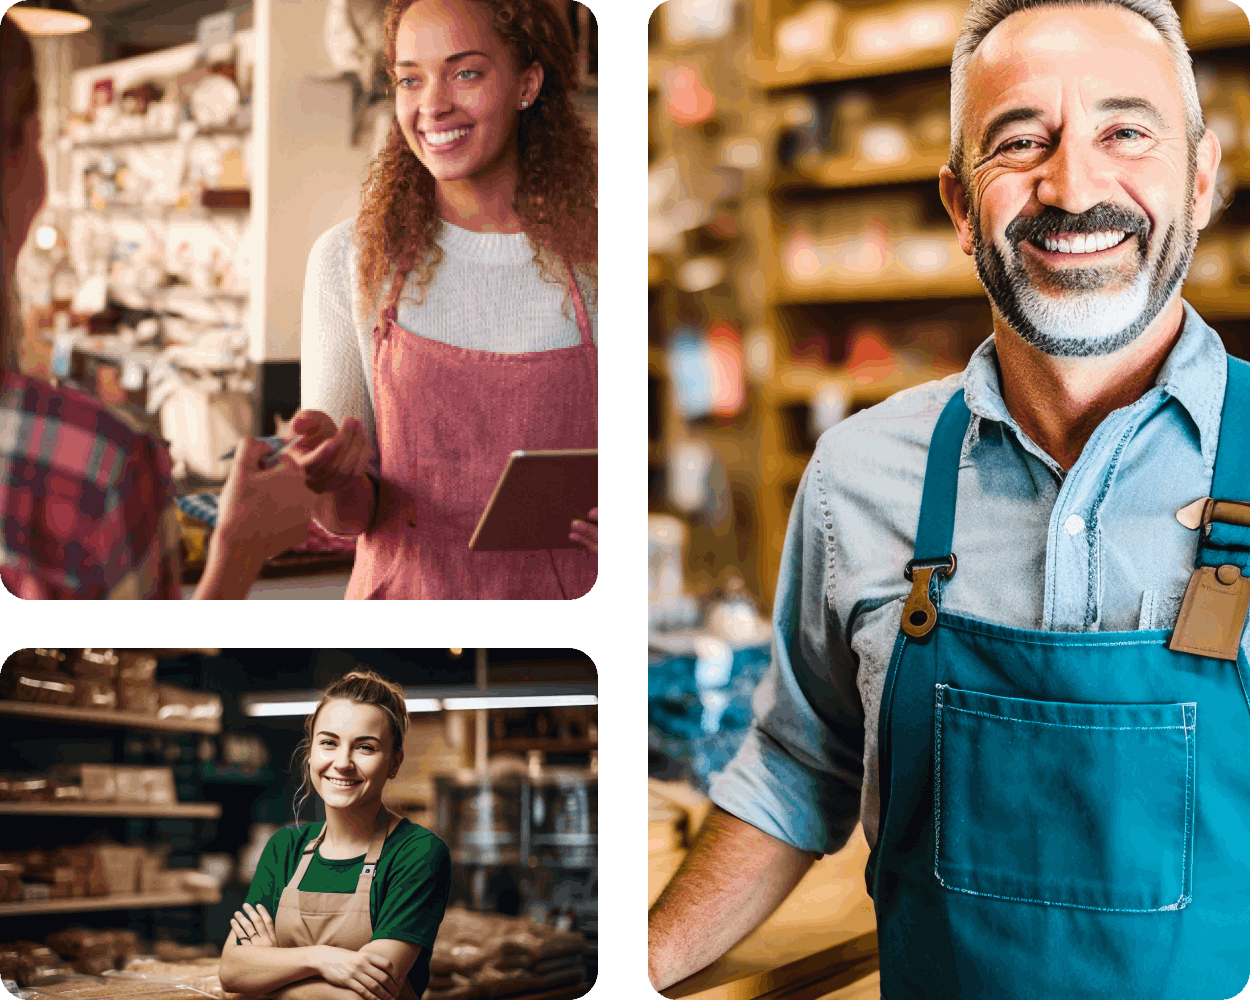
<point x="476" y="72"/>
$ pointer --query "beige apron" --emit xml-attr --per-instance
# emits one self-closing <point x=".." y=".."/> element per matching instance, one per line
<point x="339" y="919"/>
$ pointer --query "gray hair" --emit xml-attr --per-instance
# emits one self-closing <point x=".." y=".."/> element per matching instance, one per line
<point x="984" y="15"/>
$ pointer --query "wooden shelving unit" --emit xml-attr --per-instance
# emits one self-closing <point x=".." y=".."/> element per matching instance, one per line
<point x="11" y="813"/>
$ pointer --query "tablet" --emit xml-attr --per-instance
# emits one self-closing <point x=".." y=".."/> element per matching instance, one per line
<point x="537" y="497"/>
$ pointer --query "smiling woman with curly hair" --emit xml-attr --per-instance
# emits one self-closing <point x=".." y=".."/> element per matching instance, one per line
<point x="454" y="321"/>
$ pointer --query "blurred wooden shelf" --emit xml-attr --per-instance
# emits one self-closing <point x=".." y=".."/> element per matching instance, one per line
<point x="1219" y="303"/>
<point x="114" y="901"/>
<point x="854" y="171"/>
<point x="850" y="67"/>
<point x="876" y="289"/>
<point x="182" y="810"/>
<point x="100" y="717"/>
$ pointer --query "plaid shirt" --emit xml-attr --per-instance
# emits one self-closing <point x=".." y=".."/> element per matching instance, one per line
<point x="87" y="501"/>
<point x="88" y="504"/>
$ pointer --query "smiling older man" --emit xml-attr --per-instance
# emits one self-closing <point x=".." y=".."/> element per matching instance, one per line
<point x="1011" y="628"/>
<point x="1070" y="128"/>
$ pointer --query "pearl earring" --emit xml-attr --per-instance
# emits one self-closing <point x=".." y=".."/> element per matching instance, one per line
<point x="523" y="105"/>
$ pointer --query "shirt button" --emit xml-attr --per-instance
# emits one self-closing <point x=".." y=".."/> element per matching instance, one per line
<point x="1074" y="524"/>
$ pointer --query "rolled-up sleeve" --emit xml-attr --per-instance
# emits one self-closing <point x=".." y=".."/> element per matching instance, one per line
<point x="799" y="773"/>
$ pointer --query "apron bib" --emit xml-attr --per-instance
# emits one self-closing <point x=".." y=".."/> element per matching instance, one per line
<point x="339" y="919"/>
<point x="1063" y="815"/>
<point x="446" y="420"/>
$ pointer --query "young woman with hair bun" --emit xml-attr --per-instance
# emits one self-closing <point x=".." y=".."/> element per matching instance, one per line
<point x="347" y="908"/>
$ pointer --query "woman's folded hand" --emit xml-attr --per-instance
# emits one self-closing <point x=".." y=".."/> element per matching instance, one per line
<point x="369" y="975"/>
<point x="253" y="926"/>
<point x="330" y="458"/>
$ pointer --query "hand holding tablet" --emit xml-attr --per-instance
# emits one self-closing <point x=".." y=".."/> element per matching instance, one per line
<point x="585" y="531"/>
<point x="538" y="499"/>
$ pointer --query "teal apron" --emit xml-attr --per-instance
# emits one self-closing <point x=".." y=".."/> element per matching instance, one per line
<point x="1063" y="815"/>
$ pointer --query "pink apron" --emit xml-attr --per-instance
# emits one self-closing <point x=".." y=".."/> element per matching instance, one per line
<point x="340" y="919"/>
<point x="446" y="420"/>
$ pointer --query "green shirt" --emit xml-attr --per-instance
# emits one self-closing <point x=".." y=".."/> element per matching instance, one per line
<point x="408" y="892"/>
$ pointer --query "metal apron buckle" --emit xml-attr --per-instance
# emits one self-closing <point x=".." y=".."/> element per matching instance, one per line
<point x="919" y="613"/>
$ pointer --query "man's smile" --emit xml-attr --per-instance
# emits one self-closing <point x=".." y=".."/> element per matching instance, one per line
<point x="1070" y="250"/>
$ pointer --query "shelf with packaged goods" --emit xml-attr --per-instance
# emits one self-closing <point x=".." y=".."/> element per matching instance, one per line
<point x="1203" y="33"/>
<point x="201" y="131"/>
<point x="126" y="810"/>
<point x="102" y="717"/>
<point x="887" y="25"/>
<point x="114" y="901"/>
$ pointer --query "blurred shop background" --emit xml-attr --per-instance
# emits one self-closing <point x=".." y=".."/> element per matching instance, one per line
<point x="801" y="268"/>
<point x="139" y="788"/>
<point x="196" y="149"/>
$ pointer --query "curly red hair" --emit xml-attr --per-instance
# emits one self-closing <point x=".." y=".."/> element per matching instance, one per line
<point x="556" y="194"/>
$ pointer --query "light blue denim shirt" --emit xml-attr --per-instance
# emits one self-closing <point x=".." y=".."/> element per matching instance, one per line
<point x="1096" y="549"/>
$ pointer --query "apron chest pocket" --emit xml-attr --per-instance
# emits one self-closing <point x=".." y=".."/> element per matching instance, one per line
<point x="1079" y="805"/>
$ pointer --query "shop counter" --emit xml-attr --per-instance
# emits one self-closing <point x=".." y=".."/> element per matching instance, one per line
<point x="820" y="943"/>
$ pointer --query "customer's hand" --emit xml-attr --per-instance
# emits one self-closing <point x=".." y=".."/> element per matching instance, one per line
<point x="329" y="458"/>
<point x="585" y="532"/>
<point x="369" y="975"/>
<point x="265" y="506"/>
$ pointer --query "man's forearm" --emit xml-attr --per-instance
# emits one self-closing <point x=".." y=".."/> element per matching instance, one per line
<point x="730" y="882"/>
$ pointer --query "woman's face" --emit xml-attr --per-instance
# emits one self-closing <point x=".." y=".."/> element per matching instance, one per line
<point x="458" y="90"/>
<point x="352" y="754"/>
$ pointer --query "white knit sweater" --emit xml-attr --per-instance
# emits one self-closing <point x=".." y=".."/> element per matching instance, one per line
<point x="486" y="295"/>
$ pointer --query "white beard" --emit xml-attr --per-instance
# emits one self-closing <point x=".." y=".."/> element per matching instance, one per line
<point x="1083" y="317"/>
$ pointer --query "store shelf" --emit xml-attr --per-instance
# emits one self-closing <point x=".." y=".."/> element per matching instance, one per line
<point x="98" y="717"/>
<point x="573" y="992"/>
<point x="190" y="131"/>
<point x="522" y="744"/>
<point x="855" y="171"/>
<point x="1215" y="29"/>
<point x="880" y="290"/>
<point x="180" y="810"/>
<point x="235" y="774"/>
<point x="848" y="67"/>
<point x="165" y="654"/>
<point x="116" y="901"/>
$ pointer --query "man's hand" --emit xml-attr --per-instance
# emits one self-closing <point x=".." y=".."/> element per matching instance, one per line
<point x="254" y="927"/>
<point x="265" y="507"/>
<point x="330" y="458"/>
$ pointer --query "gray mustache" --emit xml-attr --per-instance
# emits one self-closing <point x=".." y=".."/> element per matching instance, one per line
<point x="1098" y="219"/>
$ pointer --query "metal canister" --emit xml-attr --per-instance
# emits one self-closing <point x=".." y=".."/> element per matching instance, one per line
<point x="561" y="818"/>
<point x="478" y="817"/>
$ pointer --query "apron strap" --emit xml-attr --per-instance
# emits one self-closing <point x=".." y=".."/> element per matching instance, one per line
<point x="1220" y="542"/>
<point x="582" y="315"/>
<point x="389" y="309"/>
<point x="935" y="528"/>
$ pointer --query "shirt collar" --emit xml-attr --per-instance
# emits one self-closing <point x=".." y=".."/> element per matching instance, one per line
<point x="1194" y="374"/>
